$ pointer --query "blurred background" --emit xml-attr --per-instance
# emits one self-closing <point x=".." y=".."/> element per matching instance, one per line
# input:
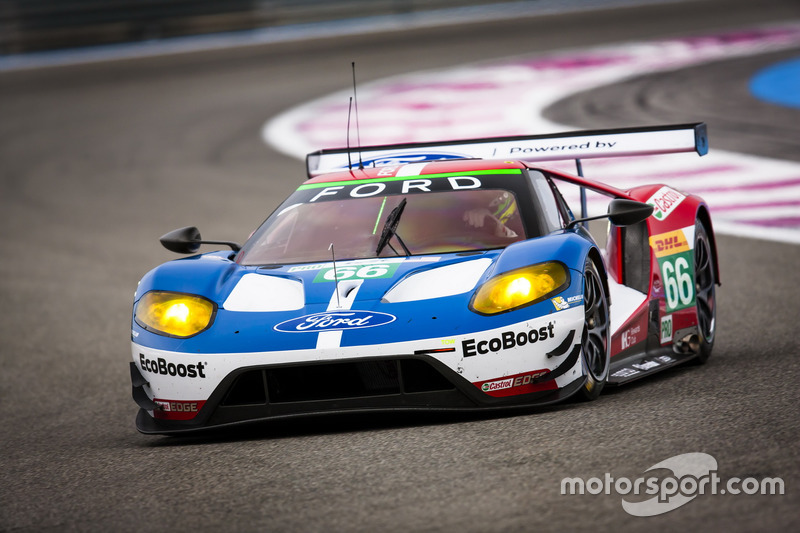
<point x="36" y="25"/>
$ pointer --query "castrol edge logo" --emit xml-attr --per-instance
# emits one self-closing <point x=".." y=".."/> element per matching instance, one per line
<point x="664" y="201"/>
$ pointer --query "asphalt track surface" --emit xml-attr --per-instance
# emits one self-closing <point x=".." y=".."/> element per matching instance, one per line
<point x="97" y="161"/>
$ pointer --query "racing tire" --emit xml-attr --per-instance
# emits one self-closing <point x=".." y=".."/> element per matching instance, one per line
<point x="705" y="293"/>
<point x="595" y="345"/>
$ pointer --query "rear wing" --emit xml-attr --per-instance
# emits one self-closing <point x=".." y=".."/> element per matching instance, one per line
<point x="555" y="147"/>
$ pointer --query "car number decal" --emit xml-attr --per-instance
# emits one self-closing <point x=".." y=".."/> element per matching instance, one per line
<point x="674" y="251"/>
<point x="360" y="271"/>
<point x="678" y="273"/>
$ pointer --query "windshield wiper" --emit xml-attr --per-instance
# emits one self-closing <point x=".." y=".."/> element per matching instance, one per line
<point x="390" y="229"/>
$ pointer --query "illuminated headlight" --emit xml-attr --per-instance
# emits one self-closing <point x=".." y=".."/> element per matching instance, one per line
<point x="520" y="287"/>
<point x="174" y="314"/>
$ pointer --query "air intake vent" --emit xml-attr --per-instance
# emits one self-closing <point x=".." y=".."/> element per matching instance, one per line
<point x="419" y="376"/>
<point x="248" y="389"/>
<point x="334" y="381"/>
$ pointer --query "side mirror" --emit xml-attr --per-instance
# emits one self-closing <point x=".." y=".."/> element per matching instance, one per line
<point x="182" y="241"/>
<point x="621" y="212"/>
<point x="187" y="241"/>
<point x="624" y="212"/>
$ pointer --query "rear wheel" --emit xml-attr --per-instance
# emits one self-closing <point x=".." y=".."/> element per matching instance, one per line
<point x="595" y="348"/>
<point x="705" y="287"/>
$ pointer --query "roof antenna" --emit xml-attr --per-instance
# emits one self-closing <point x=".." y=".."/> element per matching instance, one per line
<point x="358" y="130"/>
<point x="349" y="111"/>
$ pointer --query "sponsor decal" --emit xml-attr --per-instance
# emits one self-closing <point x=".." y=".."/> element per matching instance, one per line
<point x="498" y="385"/>
<point x="525" y="383"/>
<point x="423" y="259"/>
<point x="666" y="329"/>
<point x="507" y="340"/>
<point x="360" y="262"/>
<point x="561" y="303"/>
<point x="394" y="185"/>
<point x="512" y="382"/>
<point x="625" y="373"/>
<point x="589" y="145"/>
<point x="404" y="159"/>
<point x="664" y="201"/>
<point x="669" y="243"/>
<point x="177" y="409"/>
<point x="335" y="320"/>
<point x="665" y="359"/>
<point x="646" y="365"/>
<point x="632" y="333"/>
<point x="359" y="271"/>
<point x="307" y="268"/>
<point x="631" y="336"/>
<point x="180" y="407"/>
<point x="162" y="367"/>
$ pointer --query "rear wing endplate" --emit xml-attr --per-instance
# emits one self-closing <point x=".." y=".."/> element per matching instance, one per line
<point x="555" y="147"/>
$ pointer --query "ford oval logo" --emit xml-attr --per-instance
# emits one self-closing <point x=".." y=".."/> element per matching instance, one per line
<point x="402" y="159"/>
<point x="335" y="320"/>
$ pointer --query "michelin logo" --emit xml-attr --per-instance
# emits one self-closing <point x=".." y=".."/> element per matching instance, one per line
<point x="561" y="303"/>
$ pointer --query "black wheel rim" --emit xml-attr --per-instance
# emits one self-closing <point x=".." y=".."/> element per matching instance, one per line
<point x="595" y="338"/>
<point x="704" y="287"/>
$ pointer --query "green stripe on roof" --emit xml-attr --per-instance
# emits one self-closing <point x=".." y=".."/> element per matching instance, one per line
<point x="403" y="178"/>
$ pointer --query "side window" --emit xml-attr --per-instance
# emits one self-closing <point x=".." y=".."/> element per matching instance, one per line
<point x="554" y="209"/>
<point x="567" y="215"/>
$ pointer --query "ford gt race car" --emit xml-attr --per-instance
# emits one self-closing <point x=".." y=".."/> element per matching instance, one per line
<point x="437" y="276"/>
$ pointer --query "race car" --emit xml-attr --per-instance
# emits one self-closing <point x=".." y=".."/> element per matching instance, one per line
<point x="430" y="276"/>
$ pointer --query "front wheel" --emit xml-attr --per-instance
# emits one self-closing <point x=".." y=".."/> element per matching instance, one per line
<point x="595" y="348"/>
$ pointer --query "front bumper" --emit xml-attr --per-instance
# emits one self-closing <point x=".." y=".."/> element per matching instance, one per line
<point x="388" y="384"/>
<point x="535" y="361"/>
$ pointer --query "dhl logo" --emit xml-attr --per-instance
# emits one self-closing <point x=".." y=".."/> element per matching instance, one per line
<point x="669" y="243"/>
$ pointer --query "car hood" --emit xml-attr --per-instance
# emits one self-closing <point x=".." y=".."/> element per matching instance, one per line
<point x="366" y="302"/>
<point x="356" y="283"/>
<point x="370" y="301"/>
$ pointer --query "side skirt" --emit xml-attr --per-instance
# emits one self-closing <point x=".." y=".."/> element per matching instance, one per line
<point x="645" y="364"/>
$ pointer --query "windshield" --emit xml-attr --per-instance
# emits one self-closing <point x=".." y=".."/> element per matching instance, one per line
<point x="433" y="222"/>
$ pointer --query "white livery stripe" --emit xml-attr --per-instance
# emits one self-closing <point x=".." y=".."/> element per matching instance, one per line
<point x="347" y="291"/>
<point x="413" y="169"/>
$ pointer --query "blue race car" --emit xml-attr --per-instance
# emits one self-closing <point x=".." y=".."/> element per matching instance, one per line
<point x="451" y="276"/>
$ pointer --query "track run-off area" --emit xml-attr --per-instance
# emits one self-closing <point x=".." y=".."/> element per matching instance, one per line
<point x="99" y="158"/>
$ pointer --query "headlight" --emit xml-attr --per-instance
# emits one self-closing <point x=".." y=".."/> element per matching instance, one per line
<point x="520" y="287"/>
<point x="174" y="314"/>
